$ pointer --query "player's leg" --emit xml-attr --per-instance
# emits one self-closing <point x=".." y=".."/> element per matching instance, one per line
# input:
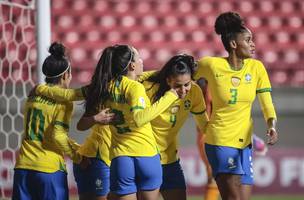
<point x="93" y="180"/>
<point x="247" y="177"/>
<point x="174" y="185"/>
<point x="211" y="190"/>
<point x="122" y="178"/>
<point x="148" y="177"/>
<point x="227" y="170"/>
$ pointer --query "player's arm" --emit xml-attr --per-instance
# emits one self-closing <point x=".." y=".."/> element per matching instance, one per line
<point x="103" y="117"/>
<point x="264" y="95"/>
<point x="198" y="109"/>
<point x="60" y="134"/>
<point x="140" y="105"/>
<point x="145" y="75"/>
<point x="60" y="94"/>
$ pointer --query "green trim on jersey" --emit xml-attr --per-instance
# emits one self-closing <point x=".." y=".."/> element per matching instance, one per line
<point x="64" y="125"/>
<point x="137" y="108"/>
<point x="264" y="90"/>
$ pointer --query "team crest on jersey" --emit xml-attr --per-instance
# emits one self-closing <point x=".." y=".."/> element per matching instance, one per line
<point x="248" y="78"/>
<point x="142" y="102"/>
<point x="187" y="104"/>
<point x="175" y="109"/>
<point x="98" y="183"/>
<point x="235" y="81"/>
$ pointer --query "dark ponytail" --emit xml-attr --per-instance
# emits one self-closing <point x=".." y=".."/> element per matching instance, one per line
<point x="112" y="65"/>
<point x="56" y="64"/>
<point x="177" y="65"/>
<point x="228" y="25"/>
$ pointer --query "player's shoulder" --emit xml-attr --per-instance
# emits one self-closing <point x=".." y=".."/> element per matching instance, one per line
<point x="130" y="84"/>
<point x="195" y="86"/>
<point x="253" y="62"/>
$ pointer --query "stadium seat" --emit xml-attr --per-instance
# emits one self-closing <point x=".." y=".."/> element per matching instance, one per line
<point x="164" y="28"/>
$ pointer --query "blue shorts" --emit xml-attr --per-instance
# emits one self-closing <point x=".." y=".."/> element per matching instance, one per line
<point x="131" y="174"/>
<point x="229" y="160"/>
<point x="173" y="177"/>
<point x="94" y="179"/>
<point x="30" y="184"/>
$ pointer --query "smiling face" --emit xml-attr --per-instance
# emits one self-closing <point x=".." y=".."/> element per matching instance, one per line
<point x="245" y="46"/>
<point x="181" y="83"/>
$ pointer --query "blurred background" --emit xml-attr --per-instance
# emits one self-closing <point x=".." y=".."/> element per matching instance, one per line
<point x="160" y="29"/>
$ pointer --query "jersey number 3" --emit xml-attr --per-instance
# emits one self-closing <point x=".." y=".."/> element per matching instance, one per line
<point x="234" y="94"/>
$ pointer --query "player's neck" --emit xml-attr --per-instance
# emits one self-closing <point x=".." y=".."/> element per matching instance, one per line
<point x="131" y="75"/>
<point x="235" y="63"/>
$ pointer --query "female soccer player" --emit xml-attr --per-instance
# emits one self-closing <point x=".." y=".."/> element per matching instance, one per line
<point x="92" y="175"/>
<point x="259" y="147"/>
<point x="234" y="82"/>
<point x="40" y="171"/>
<point x="135" y="167"/>
<point x="176" y="74"/>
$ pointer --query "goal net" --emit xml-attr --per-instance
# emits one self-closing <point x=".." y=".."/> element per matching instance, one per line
<point x="17" y="76"/>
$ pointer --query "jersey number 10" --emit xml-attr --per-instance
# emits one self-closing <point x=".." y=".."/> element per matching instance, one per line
<point x="34" y="124"/>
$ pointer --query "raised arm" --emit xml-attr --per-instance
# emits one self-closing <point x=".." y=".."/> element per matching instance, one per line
<point x="140" y="104"/>
<point x="60" y="94"/>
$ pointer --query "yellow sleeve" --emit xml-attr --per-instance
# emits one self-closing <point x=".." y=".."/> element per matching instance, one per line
<point x="145" y="76"/>
<point x="199" y="108"/>
<point x="60" y="134"/>
<point x="140" y="105"/>
<point x="267" y="105"/>
<point x="60" y="94"/>
<point x="202" y="69"/>
<point x="263" y="83"/>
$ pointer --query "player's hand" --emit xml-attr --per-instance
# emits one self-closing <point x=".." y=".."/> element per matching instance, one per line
<point x="272" y="136"/>
<point x="104" y="117"/>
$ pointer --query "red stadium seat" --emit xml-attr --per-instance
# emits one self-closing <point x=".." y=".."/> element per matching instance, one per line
<point x="161" y="29"/>
<point x="298" y="78"/>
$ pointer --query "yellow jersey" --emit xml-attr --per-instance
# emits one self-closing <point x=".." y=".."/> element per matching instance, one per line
<point x="168" y="124"/>
<point x="133" y="135"/>
<point x="233" y="93"/>
<point x="98" y="143"/>
<point x="45" y="141"/>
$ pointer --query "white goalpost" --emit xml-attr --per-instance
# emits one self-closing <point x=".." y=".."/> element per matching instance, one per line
<point x="25" y="36"/>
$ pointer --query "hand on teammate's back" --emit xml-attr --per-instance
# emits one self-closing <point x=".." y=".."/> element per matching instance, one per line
<point x="105" y="116"/>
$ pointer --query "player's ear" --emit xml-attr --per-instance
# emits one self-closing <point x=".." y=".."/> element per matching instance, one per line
<point x="232" y="44"/>
<point x="131" y="66"/>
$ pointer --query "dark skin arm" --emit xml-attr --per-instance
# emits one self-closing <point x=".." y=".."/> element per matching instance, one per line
<point x="271" y="131"/>
<point x="87" y="121"/>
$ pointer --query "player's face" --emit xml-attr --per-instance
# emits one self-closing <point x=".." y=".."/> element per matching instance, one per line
<point x="181" y="83"/>
<point x="138" y="63"/>
<point x="245" y="45"/>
